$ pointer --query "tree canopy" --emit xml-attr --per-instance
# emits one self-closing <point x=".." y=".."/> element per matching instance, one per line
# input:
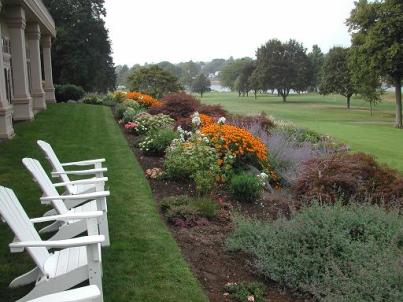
<point x="337" y="75"/>
<point x="377" y="41"/>
<point x="82" y="50"/>
<point x="284" y="67"/>
<point x="201" y="84"/>
<point x="154" y="81"/>
<point x="317" y="59"/>
<point x="231" y="72"/>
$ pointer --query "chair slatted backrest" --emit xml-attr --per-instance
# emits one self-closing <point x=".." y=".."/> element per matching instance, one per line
<point x="40" y="176"/>
<point x="17" y="219"/>
<point x="55" y="162"/>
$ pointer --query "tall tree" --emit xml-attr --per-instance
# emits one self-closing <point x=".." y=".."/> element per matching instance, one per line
<point x="201" y="84"/>
<point x="284" y="66"/>
<point x="317" y="58"/>
<point x="243" y="83"/>
<point x="229" y="75"/>
<point x="122" y="74"/>
<point x="82" y="50"/>
<point x="171" y="68"/>
<point x="189" y="71"/>
<point x="377" y="36"/>
<point x="337" y="75"/>
<point x="214" y="66"/>
<point x="154" y="81"/>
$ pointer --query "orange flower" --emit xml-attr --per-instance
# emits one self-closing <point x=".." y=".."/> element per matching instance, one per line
<point x="144" y="99"/>
<point x="238" y="141"/>
<point x="205" y="119"/>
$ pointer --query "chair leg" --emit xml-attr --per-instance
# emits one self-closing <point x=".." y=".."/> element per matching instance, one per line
<point x="95" y="269"/>
<point x="104" y="229"/>
<point x="26" y="279"/>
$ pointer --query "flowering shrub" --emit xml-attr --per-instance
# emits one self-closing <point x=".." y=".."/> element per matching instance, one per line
<point x="131" y="125"/>
<point x="205" y="119"/>
<point x="154" y="173"/>
<point x="157" y="141"/>
<point x="184" y="159"/>
<point x="147" y="122"/>
<point x="119" y="97"/>
<point x="144" y="99"/>
<point x="238" y="142"/>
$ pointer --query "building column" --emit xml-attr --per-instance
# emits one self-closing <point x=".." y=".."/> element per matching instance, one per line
<point x="6" y="110"/>
<point x="37" y="93"/>
<point x="47" y="66"/>
<point x="22" y="100"/>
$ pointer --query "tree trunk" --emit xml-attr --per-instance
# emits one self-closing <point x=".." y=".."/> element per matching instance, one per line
<point x="370" y="104"/>
<point x="348" y="101"/>
<point x="255" y="93"/>
<point x="201" y="94"/>
<point x="398" y="92"/>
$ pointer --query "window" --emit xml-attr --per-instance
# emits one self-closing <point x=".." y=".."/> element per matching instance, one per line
<point x="7" y="77"/>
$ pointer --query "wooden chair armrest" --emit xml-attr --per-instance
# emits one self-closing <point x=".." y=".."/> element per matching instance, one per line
<point x="84" y="162"/>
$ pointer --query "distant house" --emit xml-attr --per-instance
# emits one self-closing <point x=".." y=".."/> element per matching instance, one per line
<point x="26" y="30"/>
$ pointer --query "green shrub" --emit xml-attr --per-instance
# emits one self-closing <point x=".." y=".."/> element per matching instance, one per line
<point x="245" y="187"/>
<point x="134" y="105"/>
<point x="147" y="122"/>
<point x="68" y="92"/>
<point x="92" y="99"/>
<point x="186" y="211"/>
<point x="184" y="159"/>
<point x="242" y="291"/>
<point x="156" y="142"/>
<point x="334" y="253"/>
<point x="119" y="110"/>
<point x="204" y="181"/>
<point x="128" y="115"/>
<point x="205" y="207"/>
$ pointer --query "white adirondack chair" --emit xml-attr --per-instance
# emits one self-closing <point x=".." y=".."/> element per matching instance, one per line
<point x="83" y="294"/>
<point x="97" y="202"/>
<point x="77" y="261"/>
<point x="75" y="188"/>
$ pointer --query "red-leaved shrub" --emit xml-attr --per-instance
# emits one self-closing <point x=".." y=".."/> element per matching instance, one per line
<point x="216" y="111"/>
<point x="177" y="105"/>
<point x="350" y="178"/>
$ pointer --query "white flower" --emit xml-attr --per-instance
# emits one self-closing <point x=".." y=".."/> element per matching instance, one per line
<point x="222" y="120"/>
<point x="196" y="121"/>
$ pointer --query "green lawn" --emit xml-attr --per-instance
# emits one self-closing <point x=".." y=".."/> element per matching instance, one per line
<point x="144" y="262"/>
<point x="328" y="115"/>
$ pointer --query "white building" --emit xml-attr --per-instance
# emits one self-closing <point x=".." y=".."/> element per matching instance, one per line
<point x="26" y="83"/>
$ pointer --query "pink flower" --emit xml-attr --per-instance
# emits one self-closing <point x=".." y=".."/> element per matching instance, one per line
<point x="131" y="125"/>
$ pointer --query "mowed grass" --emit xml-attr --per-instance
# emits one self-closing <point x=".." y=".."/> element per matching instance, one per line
<point x="144" y="262"/>
<point x="328" y="115"/>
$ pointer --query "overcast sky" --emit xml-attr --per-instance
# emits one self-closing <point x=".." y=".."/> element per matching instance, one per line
<point x="200" y="30"/>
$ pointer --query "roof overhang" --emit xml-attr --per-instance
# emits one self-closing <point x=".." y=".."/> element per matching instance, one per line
<point x="36" y="11"/>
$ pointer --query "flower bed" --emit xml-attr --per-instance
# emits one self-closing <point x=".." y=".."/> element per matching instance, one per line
<point x="204" y="167"/>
